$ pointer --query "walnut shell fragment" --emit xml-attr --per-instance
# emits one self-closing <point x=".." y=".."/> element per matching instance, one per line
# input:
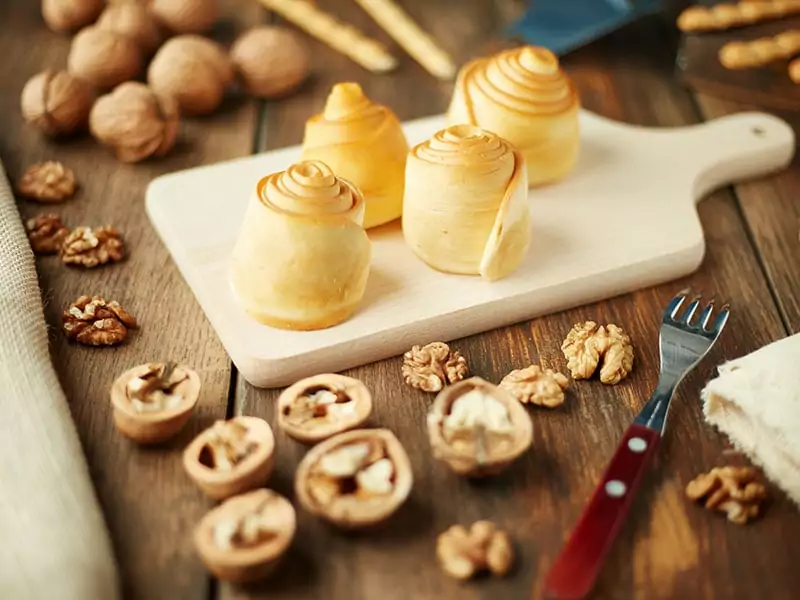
<point x="534" y="385"/>
<point x="244" y="538"/>
<point x="433" y="366"/>
<point x="734" y="491"/>
<point x="47" y="182"/>
<point x="46" y="233"/>
<point x="135" y="122"/>
<point x="231" y="457"/>
<point x="193" y="70"/>
<point x="56" y="102"/>
<point x="104" y="58"/>
<point x="318" y="407"/>
<point x="463" y="553"/>
<point x="355" y="479"/>
<point x="93" y="321"/>
<point x="589" y="345"/>
<point x="152" y="402"/>
<point x="477" y="428"/>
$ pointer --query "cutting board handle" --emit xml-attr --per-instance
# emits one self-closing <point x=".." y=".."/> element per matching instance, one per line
<point x="734" y="148"/>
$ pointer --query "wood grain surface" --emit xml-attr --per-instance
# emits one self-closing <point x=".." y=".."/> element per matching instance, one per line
<point x="668" y="549"/>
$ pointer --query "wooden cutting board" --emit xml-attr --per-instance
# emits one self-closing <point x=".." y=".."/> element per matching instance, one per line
<point x="625" y="219"/>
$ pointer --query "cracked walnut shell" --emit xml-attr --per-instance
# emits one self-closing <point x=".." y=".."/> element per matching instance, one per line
<point x="354" y="479"/>
<point x="152" y="402"/>
<point x="318" y="407"/>
<point x="93" y="321"/>
<point x="588" y="344"/>
<point x="477" y="428"/>
<point x="433" y="366"/>
<point x="463" y="553"/>
<point x="47" y="182"/>
<point x="90" y="248"/>
<point x="231" y="457"/>
<point x="135" y="122"/>
<point x="104" y="58"/>
<point x="534" y="385"/>
<point x="244" y="538"/>
<point x="46" y="233"/>
<point x="731" y="490"/>
<point x="193" y="70"/>
<point x="56" y="103"/>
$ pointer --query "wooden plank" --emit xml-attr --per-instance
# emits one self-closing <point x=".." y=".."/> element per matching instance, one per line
<point x="772" y="213"/>
<point x="669" y="548"/>
<point x="150" y="505"/>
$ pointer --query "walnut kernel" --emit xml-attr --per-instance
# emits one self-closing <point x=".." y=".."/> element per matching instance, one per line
<point x="156" y="389"/>
<point x="47" y="182"/>
<point x="93" y="321"/>
<point x="56" y="103"/>
<point x="46" y="233"/>
<point x="228" y="443"/>
<point x="271" y="61"/>
<point x="731" y="490"/>
<point x="135" y="122"/>
<point x="90" y="248"/>
<point x="193" y="70"/>
<point x="244" y="538"/>
<point x="67" y="15"/>
<point x="315" y="408"/>
<point x="433" y="366"/>
<point x="185" y="16"/>
<point x="477" y="428"/>
<point x="104" y="58"/>
<point x="464" y="553"/>
<point x="534" y="385"/>
<point x="587" y="344"/>
<point x="132" y="20"/>
<point x="354" y="479"/>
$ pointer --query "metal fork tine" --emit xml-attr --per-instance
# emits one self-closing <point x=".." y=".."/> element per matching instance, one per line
<point x="674" y="305"/>
<point x="690" y="310"/>
<point x="705" y="316"/>
<point x="721" y="319"/>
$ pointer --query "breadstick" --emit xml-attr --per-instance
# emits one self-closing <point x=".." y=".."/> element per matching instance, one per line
<point x="794" y="70"/>
<point x="396" y="22"/>
<point x="348" y="40"/>
<point x="726" y="16"/>
<point x="761" y="51"/>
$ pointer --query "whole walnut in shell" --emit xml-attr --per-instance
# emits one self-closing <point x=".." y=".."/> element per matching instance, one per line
<point x="135" y="122"/>
<point x="193" y="70"/>
<point x="67" y="15"/>
<point x="104" y="58"/>
<point x="185" y="16"/>
<point x="272" y="61"/>
<point x="56" y="102"/>
<point x="132" y="20"/>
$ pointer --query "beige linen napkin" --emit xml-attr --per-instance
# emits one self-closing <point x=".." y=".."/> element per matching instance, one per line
<point x="755" y="401"/>
<point x="53" y="541"/>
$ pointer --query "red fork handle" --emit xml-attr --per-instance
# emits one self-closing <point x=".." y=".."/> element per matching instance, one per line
<point x="574" y="573"/>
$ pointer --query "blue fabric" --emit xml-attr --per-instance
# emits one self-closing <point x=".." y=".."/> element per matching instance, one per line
<point x="563" y="25"/>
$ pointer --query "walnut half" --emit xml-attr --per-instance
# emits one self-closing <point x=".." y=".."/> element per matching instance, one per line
<point x="731" y="490"/>
<point x="152" y="402"/>
<point x="47" y="182"/>
<point x="433" y="366"/>
<point x="231" y="457"/>
<point x="46" y="233"/>
<point x="478" y="428"/>
<point x="354" y="479"/>
<point x="463" y="553"/>
<point x="93" y="321"/>
<point x="244" y="538"/>
<point x="318" y="407"/>
<point x="534" y="385"/>
<point x="588" y="344"/>
<point x="87" y="247"/>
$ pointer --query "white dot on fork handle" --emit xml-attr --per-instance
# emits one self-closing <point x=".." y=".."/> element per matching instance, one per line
<point x="637" y="444"/>
<point x="615" y="488"/>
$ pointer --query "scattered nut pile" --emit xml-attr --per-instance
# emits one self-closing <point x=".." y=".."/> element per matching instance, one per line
<point x="730" y="490"/>
<point x="187" y="74"/>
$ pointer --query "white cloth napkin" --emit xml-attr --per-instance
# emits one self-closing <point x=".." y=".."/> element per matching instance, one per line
<point x="755" y="401"/>
<point x="53" y="541"/>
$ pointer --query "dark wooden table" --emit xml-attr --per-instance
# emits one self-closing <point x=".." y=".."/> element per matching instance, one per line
<point x="669" y="547"/>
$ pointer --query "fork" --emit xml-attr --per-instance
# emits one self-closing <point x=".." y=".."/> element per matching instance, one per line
<point x="683" y="342"/>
